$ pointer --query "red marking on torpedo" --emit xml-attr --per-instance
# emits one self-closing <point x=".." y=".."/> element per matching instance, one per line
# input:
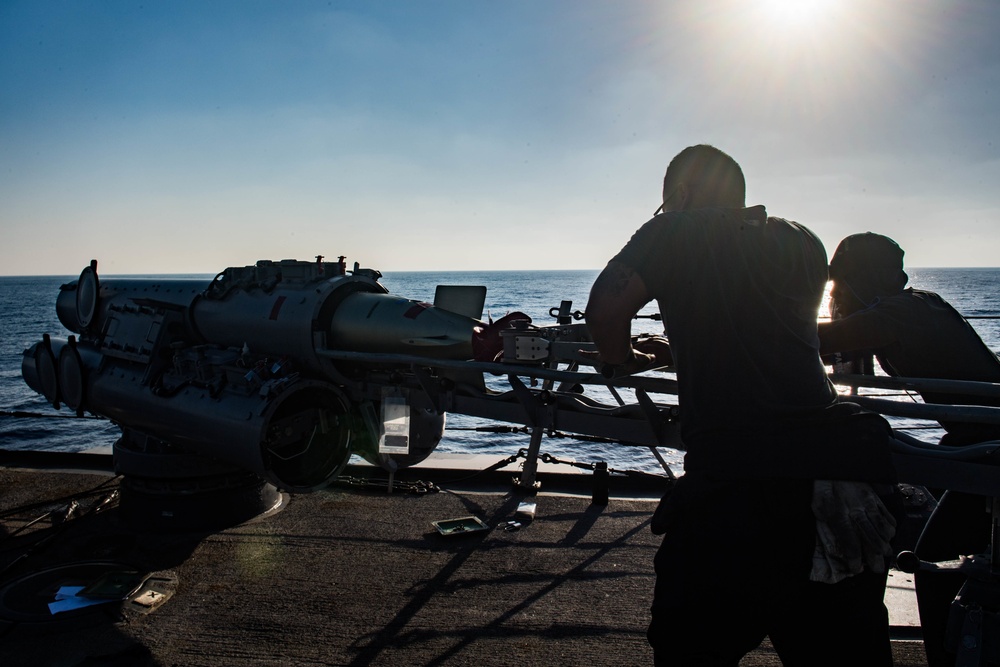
<point x="277" y="306"/>
<point x="415" y="310"/>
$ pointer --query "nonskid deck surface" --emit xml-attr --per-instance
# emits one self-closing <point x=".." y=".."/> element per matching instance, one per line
<point x="339" y="577"/>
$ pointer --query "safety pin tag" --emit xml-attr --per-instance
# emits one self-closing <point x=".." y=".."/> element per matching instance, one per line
<point x="395" y="437"/>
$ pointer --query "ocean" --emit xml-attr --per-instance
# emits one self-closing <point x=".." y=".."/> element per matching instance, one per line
<point x="27" y="310"/>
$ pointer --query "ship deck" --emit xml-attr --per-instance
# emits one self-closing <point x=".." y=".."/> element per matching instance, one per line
<point x="347" y="576"/>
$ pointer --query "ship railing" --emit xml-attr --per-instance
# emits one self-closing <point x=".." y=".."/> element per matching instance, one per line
<point x="533" y="402"/>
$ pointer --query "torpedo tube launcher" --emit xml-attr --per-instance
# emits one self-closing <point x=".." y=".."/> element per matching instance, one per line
<point x="282" y="369"/>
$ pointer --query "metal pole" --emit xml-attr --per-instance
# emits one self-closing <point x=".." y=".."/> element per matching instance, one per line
<point x="527" y="480"/>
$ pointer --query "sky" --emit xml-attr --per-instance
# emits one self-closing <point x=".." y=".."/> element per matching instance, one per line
<point x="189" y="136"/>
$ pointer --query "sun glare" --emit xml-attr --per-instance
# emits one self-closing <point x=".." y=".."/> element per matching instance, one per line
<point x="794" y="13"/>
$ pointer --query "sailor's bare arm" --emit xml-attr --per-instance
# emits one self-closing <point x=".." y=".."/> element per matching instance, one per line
<point x="617" y="295"/>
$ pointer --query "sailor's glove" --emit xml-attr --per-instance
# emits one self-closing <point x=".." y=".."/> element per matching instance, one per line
<point x="853" y="530"/>
<point x="656" y="346"/>
<point x="635" y="362"/>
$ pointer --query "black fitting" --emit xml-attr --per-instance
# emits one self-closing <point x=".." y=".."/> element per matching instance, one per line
<point x="601" y="484"/>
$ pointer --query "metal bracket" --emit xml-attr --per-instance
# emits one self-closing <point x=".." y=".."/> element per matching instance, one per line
<point x="428" y="385"/>
<point x="538" y="421"/>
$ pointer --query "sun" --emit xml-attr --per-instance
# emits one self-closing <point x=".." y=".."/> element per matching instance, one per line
<point x="794" y="13"/>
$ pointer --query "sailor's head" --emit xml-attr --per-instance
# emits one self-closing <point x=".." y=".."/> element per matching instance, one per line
<point x="702" y="176"/>
<point x="863" y="268"/>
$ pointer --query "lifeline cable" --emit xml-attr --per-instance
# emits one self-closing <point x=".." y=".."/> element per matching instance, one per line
<point x="102" y="504"/>
<point x="419" y="487"/>
<point x="20" y="414"/>
<point x="60" y="501"/>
